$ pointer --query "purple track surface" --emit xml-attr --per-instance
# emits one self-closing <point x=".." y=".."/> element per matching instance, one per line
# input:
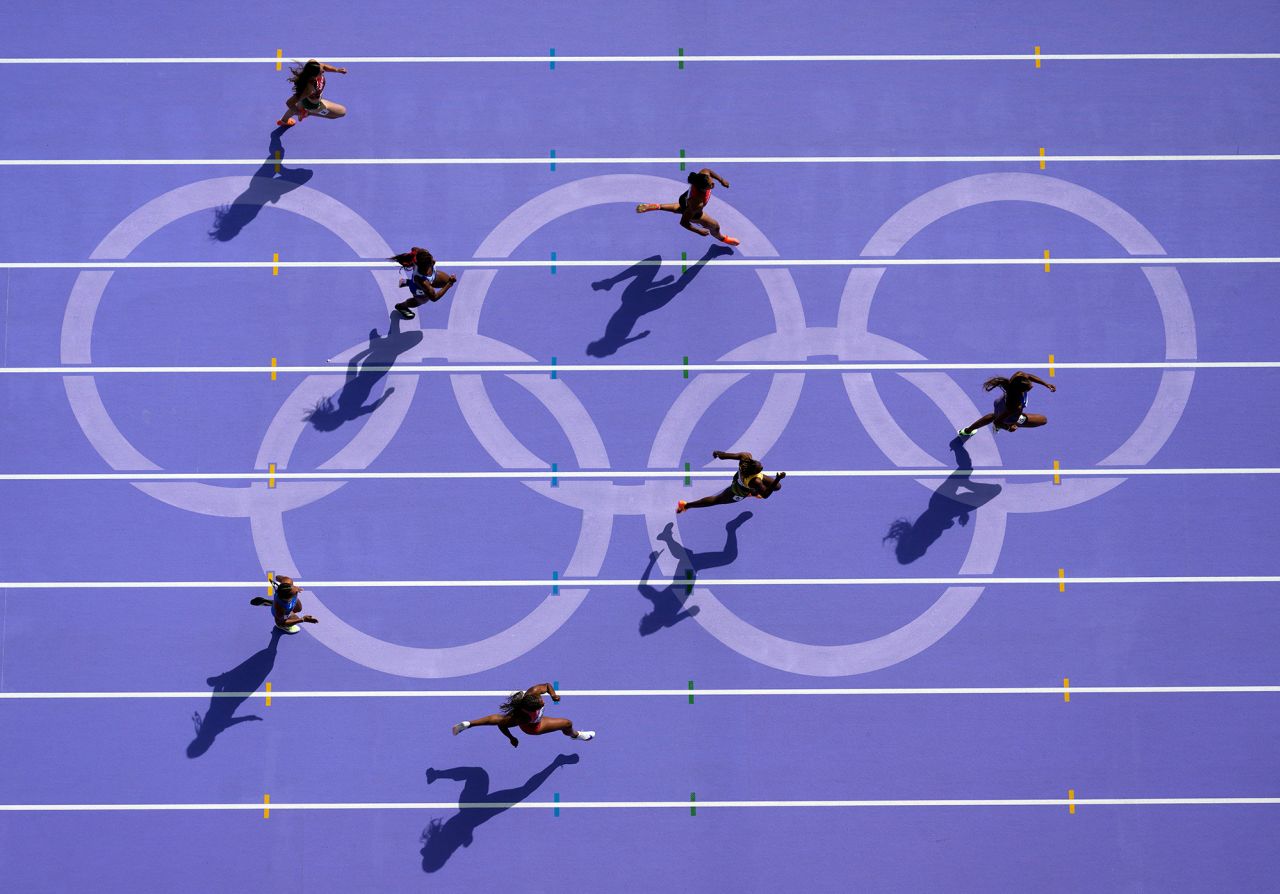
<point x="812" y="747"/>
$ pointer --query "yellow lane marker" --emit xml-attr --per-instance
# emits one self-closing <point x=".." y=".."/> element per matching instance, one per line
<point x="1071" y="800"/>
<point x="273" y="367"/>
<point x="1050" y="366"/>
<point x="1041" y="159"/>
<point x="275" y="263"/>
<point x="280" y="58"/>
<point x="271" y="471"/>
<point x="266" y="807"/>
<point x="269" y="694"/>
<point x="1046" y="260"/>
<point x="1066" y="690"/>
<point x="1062" y="580"/>
<point x="1037" y="59"/>
<point x="271" y="583"/>
<point x="1057" y="479"/>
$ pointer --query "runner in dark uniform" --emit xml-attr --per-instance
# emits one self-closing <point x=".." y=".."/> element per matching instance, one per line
<point x="749" y="481"/>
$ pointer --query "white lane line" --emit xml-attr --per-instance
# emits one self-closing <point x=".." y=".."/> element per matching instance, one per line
<point x="676" y="58"/>
<point x="1146" y="261"/>
<point x="972" y="581"/>
<point x="542" y="160"/>
<point x="542" y="368"/>
<point x="645" y="693"/>
<point x="641" y="805"/>
<point x="610" y="474"/>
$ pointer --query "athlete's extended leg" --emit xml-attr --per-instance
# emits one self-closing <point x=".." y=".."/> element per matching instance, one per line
<point x="713" y="227"/>
<point x="673" y="207"/>
<point x="487" y="720"/>
<point x="971" y="430"/>
<point x="1034" y="420"/>
<point x="720" y="499"/>
<point x="562" y="725"/>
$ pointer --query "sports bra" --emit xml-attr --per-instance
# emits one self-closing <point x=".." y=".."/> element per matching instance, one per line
<point x="697" y="194"/>
<point x="743" y="487"/>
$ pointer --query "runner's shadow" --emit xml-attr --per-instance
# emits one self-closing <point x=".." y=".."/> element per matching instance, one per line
<point x="668" y="603"/>
<point x="954" y="500"/>
<point x="441" y="838"/>
<point x="364" y="371"/>
<point x="645" y="294"/>
<point x="245" y="678"/>
<point x="265" y="186"/>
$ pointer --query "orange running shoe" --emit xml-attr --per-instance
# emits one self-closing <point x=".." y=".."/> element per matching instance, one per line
<point x="681" y="506"/>
<point x="286" y="122"/>
<point x="729" y="240"/>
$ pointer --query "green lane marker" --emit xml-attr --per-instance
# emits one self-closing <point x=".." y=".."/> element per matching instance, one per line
<point x="553" y="58"/>
<point x="555" y="588"/>
<point x="680" y="53"/>
<point x="555" y="482"/>
<point x="682" y="159"/>
<point x="693" y="803"/>
<point x="556" y="797"/>
<point x="688" y="482"/>
<point x="688" y="587"/>
<point x="684" y="256"/>
<point x="553" y="367"/>
<point x="553" y="254"/>
<point x="690" y="692"/>
<point x="553" y="159"/>
<point x="685" y="374"/>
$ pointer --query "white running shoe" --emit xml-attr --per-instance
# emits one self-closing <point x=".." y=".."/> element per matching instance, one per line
<point x="292" y="629"/>
<point x="459" y="727"/>
<point x="585" y="735"/>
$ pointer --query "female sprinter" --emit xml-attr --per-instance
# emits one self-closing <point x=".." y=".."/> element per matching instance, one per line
<point x="692" y="203"/>
<point x="308" y="84"/>
<point x="419" y="276"/>
<point x="285" y="605"/>
<point x="1010" y="405"/>
<point x="749" y="481"/>
<point x="524" y="709"/>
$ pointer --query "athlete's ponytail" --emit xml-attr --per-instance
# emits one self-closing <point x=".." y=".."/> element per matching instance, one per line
<point x="415" y="257"/>
<point x="301" y="76"/>
<point x="995" y="382"/>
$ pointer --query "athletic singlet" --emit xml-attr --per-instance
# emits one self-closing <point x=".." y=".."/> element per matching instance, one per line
<point x="700" y="196"/>
<point x="742" y="488"/>
<point x="532" y="718"/>
<point x="312" y="97"/>
<point x="409" y="276"/>
<point x="277" y="601"/>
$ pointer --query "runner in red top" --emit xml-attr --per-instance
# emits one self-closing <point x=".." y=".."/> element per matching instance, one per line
<point x="308" y="84"/>
<point x="524" y="709"/>
<point x="692" y="204"/>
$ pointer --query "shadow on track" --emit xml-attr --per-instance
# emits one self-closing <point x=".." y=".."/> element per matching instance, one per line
<point x="363" y="373"/>
<point x="265" y="186"/>
<point x="643" y="295"/>
<point x="668" y="603"/>
<point x="442" y="838"/>
<point x="245" y="678"/>
<point x="952" y="502"/>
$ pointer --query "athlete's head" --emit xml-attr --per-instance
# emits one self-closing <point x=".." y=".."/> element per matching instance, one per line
<point x="995" y="382"/>
<point x="700" y="180"/>
<point x="284" y="584"/>
<point x="416" y="257"/>
<point x="751" y="466"/>
<point x="522" y="701"/>
<point x="302" y="75"/>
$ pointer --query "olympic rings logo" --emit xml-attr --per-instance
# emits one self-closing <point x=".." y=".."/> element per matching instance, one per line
<point x="600" y="503"/>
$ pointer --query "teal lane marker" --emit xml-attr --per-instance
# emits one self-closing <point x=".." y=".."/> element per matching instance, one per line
<point x="682" y="159"/>
<point x="693" y="803"/>
<point x="555" y="482"/>
<point x="685" y="373"/>
<point x="680" y="53"/>
<point x="553" y="58"/>
<point x="555" y="591"/>
<point x="555" y="684"/>
<point x="555" y="796"/>
<point x="684" y="256"/>
<point x="688" y="586"/>
<point x="690" y="692"/>
<point x="553" y="262"/>
<point x="553" y="159"/>
<point x="553" y="367"/>
<point x="688" y="482"/>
